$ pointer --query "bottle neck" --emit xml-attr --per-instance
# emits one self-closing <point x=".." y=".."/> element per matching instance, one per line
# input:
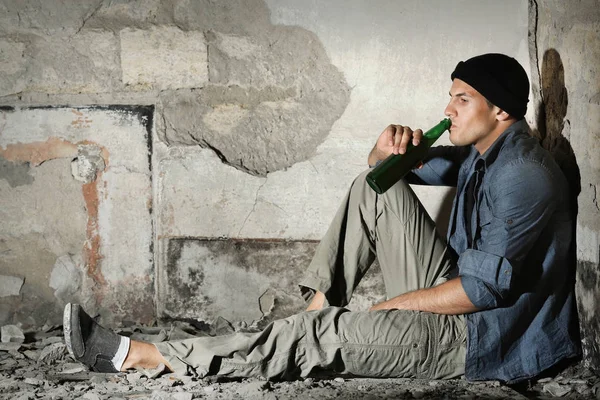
<point x="437" y="131"/>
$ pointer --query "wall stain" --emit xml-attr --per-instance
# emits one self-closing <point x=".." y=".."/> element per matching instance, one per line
<point x="15" y="173"/>
<point x="243" y="265"/>
<point x="36" y="153"/>
<point x="93" y="241"/>
<point x="589" y="286"/>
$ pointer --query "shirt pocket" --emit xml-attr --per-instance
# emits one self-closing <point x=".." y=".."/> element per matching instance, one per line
<point x="492" y="232"/>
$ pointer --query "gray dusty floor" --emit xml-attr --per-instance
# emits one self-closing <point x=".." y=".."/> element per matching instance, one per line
<point x="36" y="365"/>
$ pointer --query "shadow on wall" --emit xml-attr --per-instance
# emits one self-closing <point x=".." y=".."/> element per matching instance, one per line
<point x="554" y="132"/>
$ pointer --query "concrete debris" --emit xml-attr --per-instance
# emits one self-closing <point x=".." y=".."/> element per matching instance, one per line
<point x="56" y="376"/>
<point x="12" y="334"/>
<point x="33" y="381"/>
<point x="556" y="389"/>
<point x="255" y="386"/>
<point x="32" y="355"/>
<point x="135" y="377"/>
<point x="160" y="395"/>
<point x="182" y="396"/>
<point x="97" y="380"/>
<point x="153" y="373"/>
<point x="10" y="285"/>
<point x="145" y="337"/>
<point x="53" y="353"/>
<point x="418" y="394"/>
<point x="51" y="340"/>
<point x="91" y="396"/>
<point x="209" y="389"/>
<point x="73" y="368"/>
<point x="12" y="346"/>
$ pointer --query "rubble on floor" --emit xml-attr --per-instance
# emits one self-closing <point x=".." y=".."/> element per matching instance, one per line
<point x="36" y="365"/>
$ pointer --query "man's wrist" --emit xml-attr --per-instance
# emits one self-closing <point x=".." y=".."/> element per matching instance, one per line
<point x="376" y="164"/>
<point x="376" y="157"/>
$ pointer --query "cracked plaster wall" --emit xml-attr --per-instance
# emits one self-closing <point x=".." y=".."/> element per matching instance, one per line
<point x="259" y="97"/>
<point x="565" y="53"/>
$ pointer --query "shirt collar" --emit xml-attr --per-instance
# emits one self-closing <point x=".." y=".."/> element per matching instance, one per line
<point x="492" y="153"/>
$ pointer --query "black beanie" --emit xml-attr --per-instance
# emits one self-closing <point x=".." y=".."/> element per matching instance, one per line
<point x="499" y="78"/>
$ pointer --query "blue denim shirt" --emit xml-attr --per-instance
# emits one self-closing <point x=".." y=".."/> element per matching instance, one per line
<point x="517" y="270"/>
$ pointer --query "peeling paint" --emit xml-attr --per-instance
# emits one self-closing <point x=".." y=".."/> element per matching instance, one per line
<point x="272" y="95"/>
<point x="37" y="152"/>
<point x="88" y="163"/>
<point x="92" y="245"/>
<point x="81" y="120"/>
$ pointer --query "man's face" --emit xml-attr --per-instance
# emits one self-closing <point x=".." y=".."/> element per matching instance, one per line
<point x="473" y="120"/>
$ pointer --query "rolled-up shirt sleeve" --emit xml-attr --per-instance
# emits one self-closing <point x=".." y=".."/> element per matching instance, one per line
<point x="440" y="167"/>
<point x="485" y="278"/>
<point x="521" y="200"/>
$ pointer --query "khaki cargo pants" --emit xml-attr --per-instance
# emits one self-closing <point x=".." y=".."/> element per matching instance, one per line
<point x="395" y="228"/>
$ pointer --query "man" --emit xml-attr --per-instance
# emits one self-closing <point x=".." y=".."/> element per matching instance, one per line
<point x="494" y="302"/>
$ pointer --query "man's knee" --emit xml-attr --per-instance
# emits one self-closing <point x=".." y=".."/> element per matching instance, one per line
<point x="397" y="196"/>
<point x="401" y="200"/>
<point x="360" y="182"/>
<point x="399" y="187"/>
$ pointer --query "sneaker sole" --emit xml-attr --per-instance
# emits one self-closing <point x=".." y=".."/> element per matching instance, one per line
<point x="67" y="328"/>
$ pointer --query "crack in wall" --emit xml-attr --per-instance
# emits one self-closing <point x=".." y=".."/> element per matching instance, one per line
<point x="266" y="303"/>
<point x="92" y="14"/>
<point x="533" y="44"/>
<point x="207" y="56"/>
<point x="253" y="207"/>
<point x="595" y="196"/>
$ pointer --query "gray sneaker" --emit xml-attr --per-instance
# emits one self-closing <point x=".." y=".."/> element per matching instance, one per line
<point x="87" y="341"/>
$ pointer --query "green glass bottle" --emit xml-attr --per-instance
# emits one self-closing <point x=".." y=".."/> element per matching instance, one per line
<point x="396" y="166"/>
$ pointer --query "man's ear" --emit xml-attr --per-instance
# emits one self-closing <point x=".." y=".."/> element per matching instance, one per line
<point x="502" y="115"/>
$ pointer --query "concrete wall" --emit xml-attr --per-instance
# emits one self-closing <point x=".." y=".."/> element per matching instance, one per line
<point x="180" y="159"/>
<point x="566" y="76"/>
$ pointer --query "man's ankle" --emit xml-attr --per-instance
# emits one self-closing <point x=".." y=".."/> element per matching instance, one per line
<point x="317" y="302"/>
<point x="132" y="360"/>
<point x="143" y="355"/>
